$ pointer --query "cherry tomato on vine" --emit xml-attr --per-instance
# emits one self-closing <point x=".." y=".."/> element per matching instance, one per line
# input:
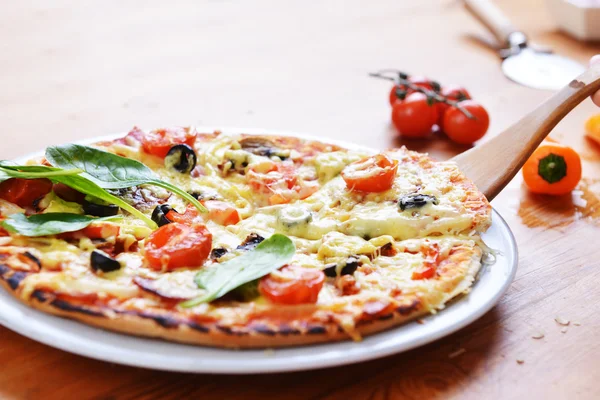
<point x="462" y="129"/>
<point x="415" y="116"/>
<point x="419" y="81"/>
<point x="423" y="82"/>
<point x="454" y="93"/>
<point x="393" y="95"/>
<point x="373" y="174"/>
<point x="292" y="284"/>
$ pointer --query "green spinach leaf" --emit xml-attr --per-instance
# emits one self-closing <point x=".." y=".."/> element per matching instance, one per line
<point x="8" y="171"/>
<point x="220" y="279"/>
<point x="70" y="178"/>
<point x="110" y="171"/>
<point x="85" y="186"/>
<point x="48" y="224"/>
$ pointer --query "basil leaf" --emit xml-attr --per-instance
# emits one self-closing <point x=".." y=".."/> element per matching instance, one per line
<point x="8" y="171"/>
<point x="73" y="180"/>
<point x="220" y="279"/>
<point x="48" y="224"/>
<point x="110" y="171"/>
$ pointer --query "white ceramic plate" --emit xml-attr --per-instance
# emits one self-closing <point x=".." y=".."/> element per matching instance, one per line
<point x="104" y="345"/>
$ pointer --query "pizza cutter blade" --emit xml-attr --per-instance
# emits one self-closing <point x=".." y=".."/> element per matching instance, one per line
<point x="541" y="70"/>
<point x="524" y="64"/>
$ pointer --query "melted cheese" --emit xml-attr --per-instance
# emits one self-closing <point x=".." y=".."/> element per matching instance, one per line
<point x="327" y="228"/>
<point x="65" y="283"/>
<point x="338" y="245"/>
<point x="329" y="165"/>
<point x="54" y="204"/>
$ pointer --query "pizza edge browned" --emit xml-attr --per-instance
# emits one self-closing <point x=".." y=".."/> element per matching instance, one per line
<point x="173" y="326"/>
<point x="475" y="201"/>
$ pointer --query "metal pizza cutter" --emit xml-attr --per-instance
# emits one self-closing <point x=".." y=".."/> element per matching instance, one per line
<point x="523" y="63"/>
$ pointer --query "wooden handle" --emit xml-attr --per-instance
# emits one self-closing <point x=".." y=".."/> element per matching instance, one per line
<point x="492" y="18"/>
<point x="494" y="163"/>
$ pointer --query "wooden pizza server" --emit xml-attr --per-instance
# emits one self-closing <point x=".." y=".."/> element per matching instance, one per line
<point x="494" y="163"/>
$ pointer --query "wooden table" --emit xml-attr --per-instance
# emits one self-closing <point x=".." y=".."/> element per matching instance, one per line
<point x="71" y="70"/>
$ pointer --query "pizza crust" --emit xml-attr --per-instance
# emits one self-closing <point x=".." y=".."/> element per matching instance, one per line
<point x="156" y="326"/>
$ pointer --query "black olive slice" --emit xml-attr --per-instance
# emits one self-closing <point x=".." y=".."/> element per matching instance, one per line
<point x="251" y="241"/>
<point x="103" y="262"/>
<point x="258" y="145"/>
<point x="33" y="258"/>
<point x="352" y="264"/>
<point x="205" y="194"/>
<point x="416" y="200"/>
<point x="217" y="252"/>
<point x="182" y="158"/>
<point x="159" y="215"/>
<point x="99" y="210"/>
<point x="263" y="147"/>
<point x="165" y="290"/>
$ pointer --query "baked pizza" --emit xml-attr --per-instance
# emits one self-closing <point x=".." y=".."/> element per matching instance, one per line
<point x="237" y="240"/>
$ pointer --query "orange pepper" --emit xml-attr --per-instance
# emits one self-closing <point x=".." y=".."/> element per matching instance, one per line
<point x="552" y="169"/>
<point x="592" y="128"/>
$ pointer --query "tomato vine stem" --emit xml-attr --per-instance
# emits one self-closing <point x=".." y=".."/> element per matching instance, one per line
<point x="401" y="79"/>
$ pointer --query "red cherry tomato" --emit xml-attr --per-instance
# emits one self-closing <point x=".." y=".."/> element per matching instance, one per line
<point x="280" y="182"/>
<point x="414" y="117"/>
<point x="278" y="177"/>
<point x="425" y="272"/>
<point x="431" y="259"/>
<point x="222" y="212"/>
<point x="160" y="141"/>
<point x="454" y="93"/>
<point x="373" y="174"/>
<point x="177" y="245"/>
<point x="189" y="217"/>
<point x="292" y="285"/>
<point x="419" y="81"/>
<point x="462" y="129"/>
<point x="100" y="230"/>
<point x="23" y="192"/>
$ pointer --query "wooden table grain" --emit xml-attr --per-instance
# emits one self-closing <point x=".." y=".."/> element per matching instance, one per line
<point x="71" y="70"/>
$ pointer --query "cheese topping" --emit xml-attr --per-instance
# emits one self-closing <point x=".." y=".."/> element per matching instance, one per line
<point x="328" y="224"/>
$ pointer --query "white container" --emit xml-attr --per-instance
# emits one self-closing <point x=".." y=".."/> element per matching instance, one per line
<point x="579" y="18"/>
